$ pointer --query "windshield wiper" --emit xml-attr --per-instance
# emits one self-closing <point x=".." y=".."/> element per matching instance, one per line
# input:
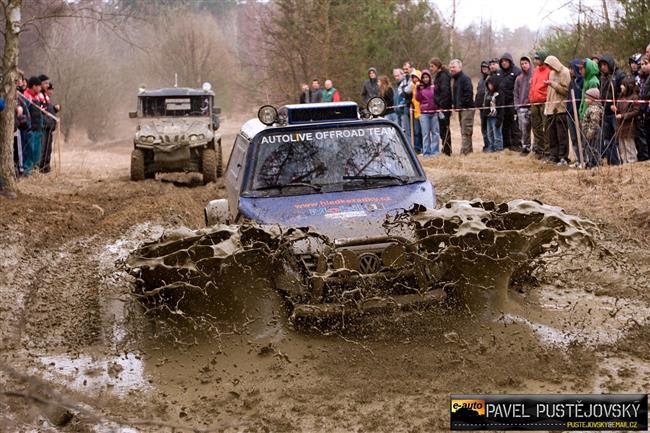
<point x="401" y="179"/>
<point x="315" y="187"/>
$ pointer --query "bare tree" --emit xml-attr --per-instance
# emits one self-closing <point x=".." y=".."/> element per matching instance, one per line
<point x="12" y="21"/>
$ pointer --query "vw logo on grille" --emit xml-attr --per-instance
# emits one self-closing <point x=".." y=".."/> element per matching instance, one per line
<point x="369" y="263"/>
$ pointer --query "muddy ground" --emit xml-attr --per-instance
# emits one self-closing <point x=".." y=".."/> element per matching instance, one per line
<point x="72" y="335"/>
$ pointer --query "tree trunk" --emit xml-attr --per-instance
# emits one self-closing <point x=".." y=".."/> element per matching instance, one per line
<point x="8" y="92"/>
<point x="606" y="14"/>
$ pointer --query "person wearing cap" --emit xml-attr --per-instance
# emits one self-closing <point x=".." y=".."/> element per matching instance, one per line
<point x="33" y="96"/>
<point x="591" y="127"/>
<point x="479" y="101"/>
<point x="558" y="82"/>
<point x="494" y="66"/>
<point x="537" y="99"/>
<point x="633" y="61"/>
<point x="522" y="102"/>
<point x="370" y="86"/>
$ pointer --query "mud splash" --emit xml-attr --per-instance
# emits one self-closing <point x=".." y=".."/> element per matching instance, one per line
<point x="463" y="247"/>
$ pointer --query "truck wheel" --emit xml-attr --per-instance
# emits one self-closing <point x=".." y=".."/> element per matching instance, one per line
<point x="137" y="165"/>
<point x="219" y="162"/>
<point x="209" y="165"/>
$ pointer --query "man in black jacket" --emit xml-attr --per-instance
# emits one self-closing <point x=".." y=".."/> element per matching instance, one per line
<point x="611" y="78"/>
<point x="509" y="73"/>
<point x="463" y="100"/>
<point x="442" y="96"/>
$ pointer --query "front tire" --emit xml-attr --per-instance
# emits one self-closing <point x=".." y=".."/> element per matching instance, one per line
<point x="137" y="165"/>
<point x="209" y="165"/>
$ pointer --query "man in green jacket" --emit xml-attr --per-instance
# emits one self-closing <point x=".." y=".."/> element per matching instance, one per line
<point x="590" y="73"/>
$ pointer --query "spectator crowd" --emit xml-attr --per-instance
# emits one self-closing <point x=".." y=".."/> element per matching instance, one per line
<point x="34" y="125"/>
<point x="539" y="106"/>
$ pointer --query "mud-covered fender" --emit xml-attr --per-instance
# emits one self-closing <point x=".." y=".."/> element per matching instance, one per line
<point x="216" y="212"/>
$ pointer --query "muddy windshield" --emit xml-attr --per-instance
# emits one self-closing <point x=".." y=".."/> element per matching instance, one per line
<point x="175" y="106"/>
<point x="355" y="157"/>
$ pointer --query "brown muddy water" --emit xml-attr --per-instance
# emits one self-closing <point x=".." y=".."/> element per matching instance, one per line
<point x="77" y="348"/>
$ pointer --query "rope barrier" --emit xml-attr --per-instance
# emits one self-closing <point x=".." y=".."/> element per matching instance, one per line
<point x="530" y="104"/>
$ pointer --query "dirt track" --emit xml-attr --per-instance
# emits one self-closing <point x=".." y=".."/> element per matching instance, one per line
<point x="67" y="319"/>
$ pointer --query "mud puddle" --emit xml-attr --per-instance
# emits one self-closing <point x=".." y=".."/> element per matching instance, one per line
<point x="94" y="374"/>
<point x="563" y="316"/>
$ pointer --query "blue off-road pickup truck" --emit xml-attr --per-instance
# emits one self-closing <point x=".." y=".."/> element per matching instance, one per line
<point x="340" y="171"/>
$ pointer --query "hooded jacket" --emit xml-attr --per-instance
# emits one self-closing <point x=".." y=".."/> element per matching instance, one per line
<point x="610" y="84"/>
<point x="590" y="81"/>
<point x="558" y="88"/>
<point x="463" y="91"/>
<point x="414" y="101"/>
<point x="494" y="99"/>
<point x="577" y="83"/>
<point x="522" y="87"/>
<point x="538" y="89"/>
<point x="442" y="83"/>
<point x="480" y="87"/>
<point x="370" y="87"/>
<point x="426" y="95"/>
<point x="508" y="77"/>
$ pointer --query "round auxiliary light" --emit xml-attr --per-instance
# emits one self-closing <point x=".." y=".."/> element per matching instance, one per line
<point x="268" y="115"/>
<point x="206" y="86"/>
<point x="377" y="106"/>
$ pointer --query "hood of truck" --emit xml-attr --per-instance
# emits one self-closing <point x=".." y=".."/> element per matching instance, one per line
<point x="175" y="129"/>
<point x="343" y="214"/>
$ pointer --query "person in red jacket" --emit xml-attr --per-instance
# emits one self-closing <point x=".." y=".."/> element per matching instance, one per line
<point x="537" y="98"/>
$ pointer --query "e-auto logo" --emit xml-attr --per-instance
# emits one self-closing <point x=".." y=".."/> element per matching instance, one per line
<point x="470" y="409"/>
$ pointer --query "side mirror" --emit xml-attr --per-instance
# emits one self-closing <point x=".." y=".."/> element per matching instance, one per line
<point x="133" y="114"/>
<point x="216" y="110"/>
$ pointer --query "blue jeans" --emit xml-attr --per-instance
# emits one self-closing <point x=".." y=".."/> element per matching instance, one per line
<point x="36" y="146"/>
<point x="26" y="143"/>
<point x="495" y="135"/>
<point x="430" y="134"/>
<point x="417" y="134"/>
